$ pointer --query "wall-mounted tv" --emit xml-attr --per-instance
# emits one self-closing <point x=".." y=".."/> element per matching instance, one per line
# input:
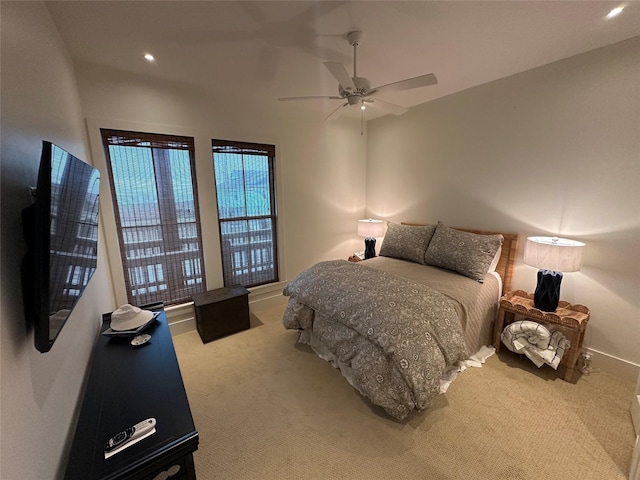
<point x="61" y="232"/>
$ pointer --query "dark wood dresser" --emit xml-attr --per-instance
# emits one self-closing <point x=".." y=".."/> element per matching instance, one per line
<point x="127" y="385"/>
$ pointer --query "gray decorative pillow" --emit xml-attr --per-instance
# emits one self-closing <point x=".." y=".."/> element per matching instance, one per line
<point x="469" y="254"/>
<point x="407" y="242"/>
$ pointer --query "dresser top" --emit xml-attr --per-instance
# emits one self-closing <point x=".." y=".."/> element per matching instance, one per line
<point x="127" y="385"/>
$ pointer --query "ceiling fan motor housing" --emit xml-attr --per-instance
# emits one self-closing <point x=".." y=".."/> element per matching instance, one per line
<point x="362" y="88"/>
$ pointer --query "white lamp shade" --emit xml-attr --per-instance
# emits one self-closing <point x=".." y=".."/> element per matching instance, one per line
<point x="370" y="228"/>
<point x="553" y="253"/>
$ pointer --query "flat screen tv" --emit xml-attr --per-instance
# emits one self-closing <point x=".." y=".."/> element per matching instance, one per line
<point x="61" y="232"/>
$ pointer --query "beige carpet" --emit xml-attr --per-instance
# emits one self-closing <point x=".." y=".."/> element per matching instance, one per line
<point x="267" y="408"/>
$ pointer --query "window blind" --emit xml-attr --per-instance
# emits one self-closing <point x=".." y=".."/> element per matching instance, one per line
<point x="154" y="191"/>
<point x="246" y="201"/>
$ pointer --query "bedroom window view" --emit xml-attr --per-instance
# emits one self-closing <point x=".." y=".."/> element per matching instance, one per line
<point x="155" y="200"/>
<point x="245" y="189"/>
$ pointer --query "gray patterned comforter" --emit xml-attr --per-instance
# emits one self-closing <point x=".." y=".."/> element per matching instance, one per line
<point x="398" y="336"/>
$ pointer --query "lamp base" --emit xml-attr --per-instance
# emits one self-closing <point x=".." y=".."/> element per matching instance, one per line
<point x="547" y="294"/>
<point x="369" y="247"/>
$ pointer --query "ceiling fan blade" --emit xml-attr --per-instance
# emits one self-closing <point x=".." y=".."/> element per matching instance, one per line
<point x="409" y="83"/>
<point x="386" y="106"/>
<point x="337" y="112"/>
<point x="312" y="97"/>
<point x="341" y="74"/>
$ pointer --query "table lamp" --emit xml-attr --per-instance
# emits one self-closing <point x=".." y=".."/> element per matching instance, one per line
<point x="370" y="229"/>
<point x="552" y="255"/>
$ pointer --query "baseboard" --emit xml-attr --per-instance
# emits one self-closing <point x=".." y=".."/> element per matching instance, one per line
<point x="267" y="302"/>
<point x="266" y="292"/>
<point x="181" y="318"/>
<point x="614" y="365"/>
<point x="182" y="326"/>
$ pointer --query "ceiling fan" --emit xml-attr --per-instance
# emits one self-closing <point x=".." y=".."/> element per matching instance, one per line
<point x="357" y="90"/>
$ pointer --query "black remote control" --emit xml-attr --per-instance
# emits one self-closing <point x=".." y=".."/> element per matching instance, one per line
<point x="130" y="434"/>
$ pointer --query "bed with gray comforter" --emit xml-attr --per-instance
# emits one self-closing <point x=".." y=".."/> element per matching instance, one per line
<point x="392" y="326"/>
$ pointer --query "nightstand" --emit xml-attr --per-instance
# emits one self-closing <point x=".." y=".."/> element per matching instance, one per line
<point x="571" y="317"/>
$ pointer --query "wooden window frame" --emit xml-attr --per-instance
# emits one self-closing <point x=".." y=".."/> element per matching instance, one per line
<point x="245" y="262"/>
<point x="172" y="267"/>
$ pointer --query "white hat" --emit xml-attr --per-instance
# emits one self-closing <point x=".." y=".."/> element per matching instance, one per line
<point x="128" y="317"/>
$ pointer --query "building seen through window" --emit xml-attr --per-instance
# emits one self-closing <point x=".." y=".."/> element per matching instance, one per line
<point x="154" y="191"/>
<point x="245" y="192"/>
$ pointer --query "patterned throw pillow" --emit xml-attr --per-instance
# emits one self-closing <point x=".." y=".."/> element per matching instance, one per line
<point x="469" y="254"/>
<point x="407" y="242"/>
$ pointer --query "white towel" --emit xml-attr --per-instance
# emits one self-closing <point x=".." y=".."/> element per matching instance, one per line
<point x="536" y="341"/>
<point x="475" y="360"/>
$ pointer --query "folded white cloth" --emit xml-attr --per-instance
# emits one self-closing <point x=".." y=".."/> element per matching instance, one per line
<point x="536" y="341"/>
<point x="475" y="360"/>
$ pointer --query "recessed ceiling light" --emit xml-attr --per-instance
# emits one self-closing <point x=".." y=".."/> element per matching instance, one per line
<point x="149" y="57"/>
<point x="615" y="12"/>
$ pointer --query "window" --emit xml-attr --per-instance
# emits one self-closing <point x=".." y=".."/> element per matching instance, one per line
<point x="245" y="189"/>
<point x="155" y="200"/>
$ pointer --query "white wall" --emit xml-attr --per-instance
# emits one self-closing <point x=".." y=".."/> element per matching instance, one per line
<point x="39" y="391"/>
<point x="321" y="195"/>
<point x="319" y="166"/>
<point x="555" y="150"/>
<point x="559" y="146"/>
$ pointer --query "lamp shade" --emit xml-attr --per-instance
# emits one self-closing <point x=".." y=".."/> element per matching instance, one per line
<point x="370" y="228"/>
<point x="553" y="253"/>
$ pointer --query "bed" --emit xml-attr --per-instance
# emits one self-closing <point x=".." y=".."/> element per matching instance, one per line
<point x="396" y="324"/>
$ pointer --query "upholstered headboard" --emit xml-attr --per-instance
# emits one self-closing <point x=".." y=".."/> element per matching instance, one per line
<point x="507" y="257"/>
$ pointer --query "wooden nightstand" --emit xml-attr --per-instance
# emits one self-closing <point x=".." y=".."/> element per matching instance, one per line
<point x="571" y="317"/>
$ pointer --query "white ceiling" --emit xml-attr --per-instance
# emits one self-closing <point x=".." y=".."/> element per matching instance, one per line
<point x="264" y="50"/>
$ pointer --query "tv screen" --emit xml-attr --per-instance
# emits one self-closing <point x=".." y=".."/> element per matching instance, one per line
<point x="61" y="230"/>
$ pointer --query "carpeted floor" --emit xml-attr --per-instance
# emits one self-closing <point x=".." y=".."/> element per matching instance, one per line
<point x="267" y="408"/>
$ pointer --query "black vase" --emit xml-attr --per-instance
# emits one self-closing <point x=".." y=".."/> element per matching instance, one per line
<point x="547" y="294"/>
<point x="369" y="247"/>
